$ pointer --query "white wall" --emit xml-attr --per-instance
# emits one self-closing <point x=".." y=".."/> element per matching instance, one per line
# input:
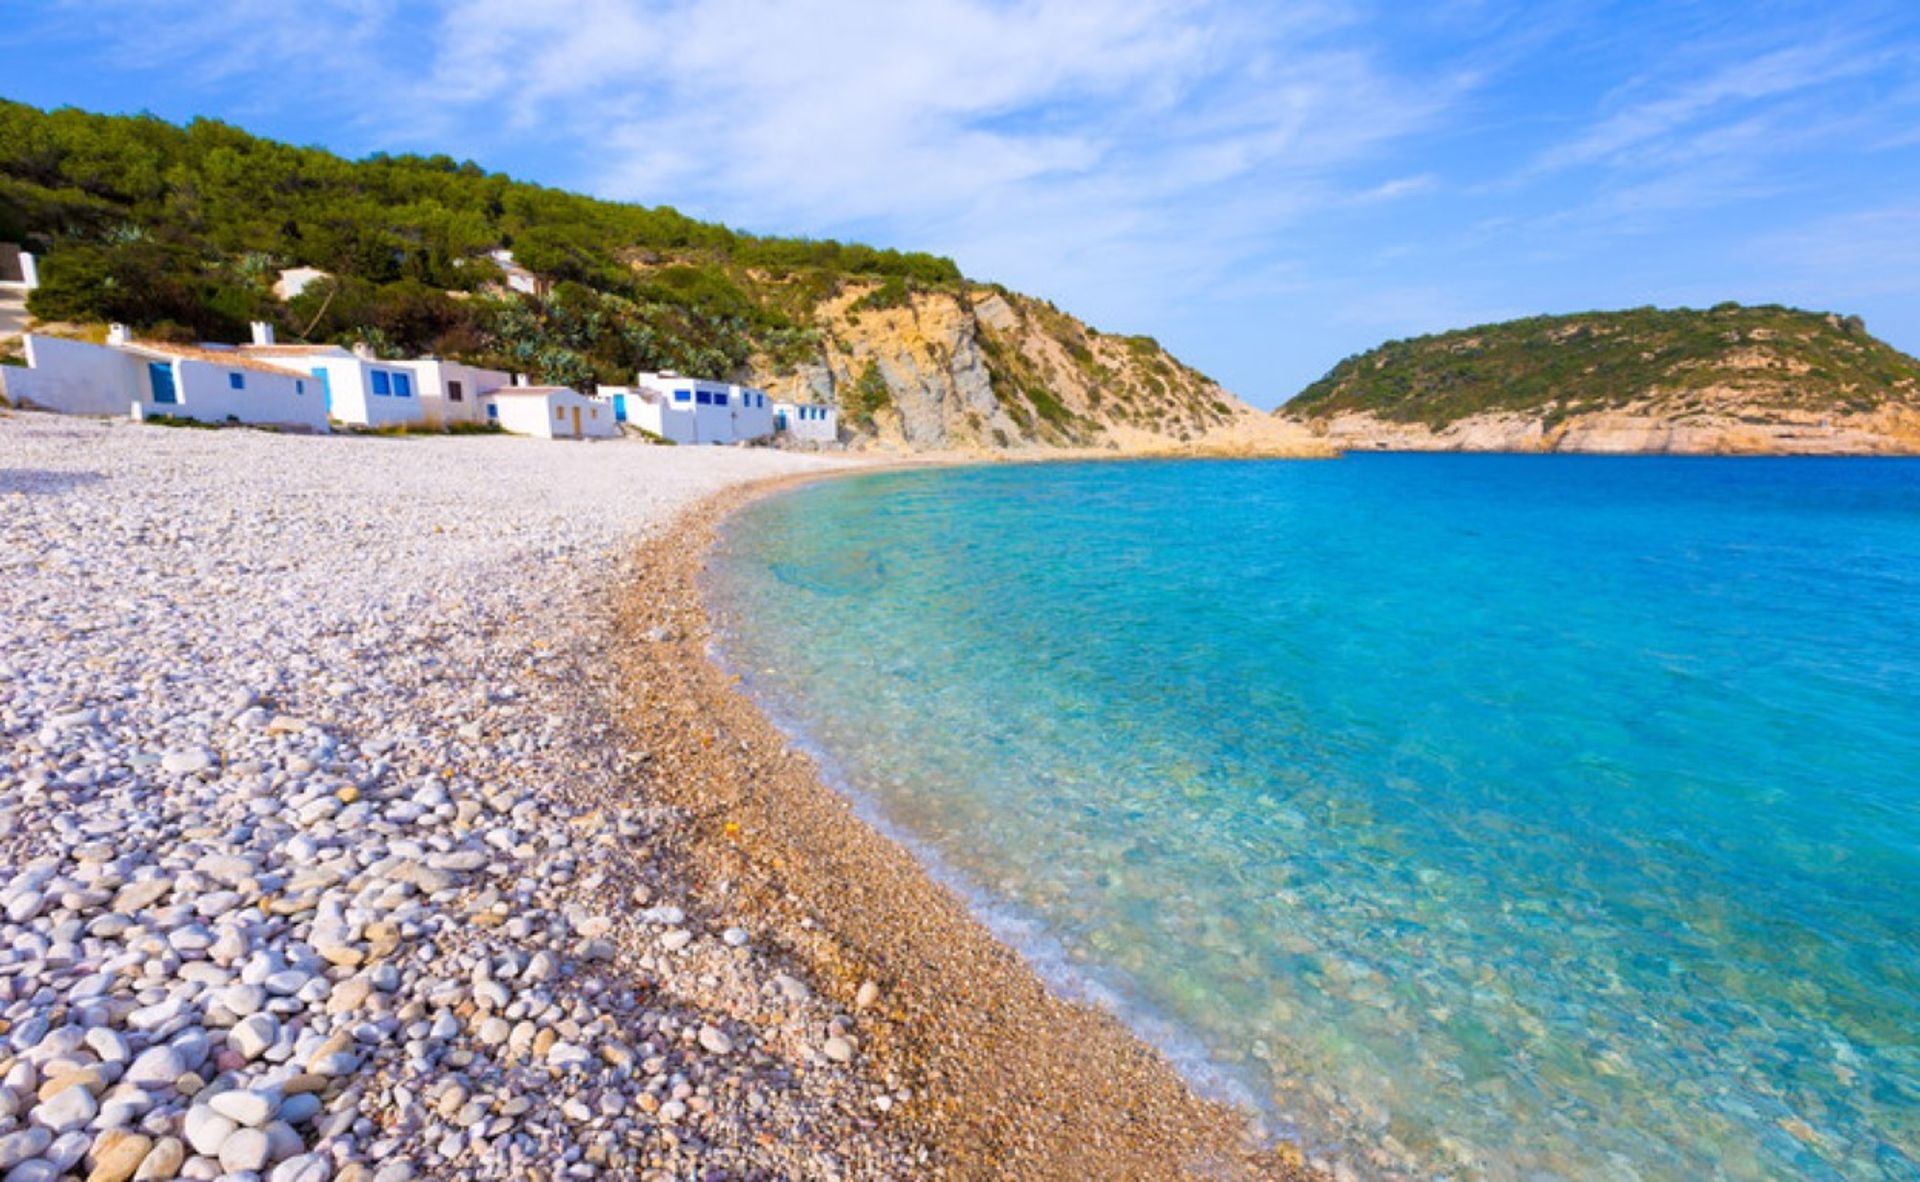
<point x="432" y="378"/>
<point x="649" y="411"/>
<point x="748" y="413"/>
<point x="206" y="394"/>
<point x="77" y="378"/>
<point x="809" y="422"/>
<point x="752" y="413"/>
<point x="350" y="390"/>
<point x="548" y="413"/>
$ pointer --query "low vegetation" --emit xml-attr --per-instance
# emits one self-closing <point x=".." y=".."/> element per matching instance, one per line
<point x="182" y="231"/>
<point x="1556" y="366"/>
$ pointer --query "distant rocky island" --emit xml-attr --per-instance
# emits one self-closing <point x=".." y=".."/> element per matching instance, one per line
<point x="1731" y="379"/>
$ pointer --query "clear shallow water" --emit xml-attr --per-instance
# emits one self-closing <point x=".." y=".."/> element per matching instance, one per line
<point x="1500" y="817"/>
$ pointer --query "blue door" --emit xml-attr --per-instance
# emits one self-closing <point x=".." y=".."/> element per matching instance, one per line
<point x="619" y="408"/>
<point x="160" y="377"/>
<point x="326" y="388"/>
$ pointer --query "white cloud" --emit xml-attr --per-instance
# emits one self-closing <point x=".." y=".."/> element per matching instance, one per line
<point x="1655" y="123"/>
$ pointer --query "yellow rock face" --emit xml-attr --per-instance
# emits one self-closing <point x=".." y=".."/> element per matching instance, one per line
<point x="981" y="370"/>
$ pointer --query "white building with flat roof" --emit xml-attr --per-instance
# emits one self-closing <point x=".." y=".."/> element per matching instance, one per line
<point x="366" y="391"/>
<point x="693" y="410"/>
<point x="149" y="378"/>
<point x="806" y="422"/>
<point x="551" y="412"/>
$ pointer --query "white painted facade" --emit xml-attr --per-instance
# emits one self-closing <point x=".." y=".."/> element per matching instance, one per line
<point x="451" y="392"/>
<point x="649" y="411"/>
<point x="551" y="412"/>
<point x="694" y="410"/>
<point x="807" y="422"/>
<point x="359" y="391"/>
<point x="77" y="378"/>
<point x="144" y="378"/>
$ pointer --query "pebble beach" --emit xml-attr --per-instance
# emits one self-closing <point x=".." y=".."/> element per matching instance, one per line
<point x="344" y="834"/>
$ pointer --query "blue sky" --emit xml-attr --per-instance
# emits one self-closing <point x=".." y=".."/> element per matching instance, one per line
<point x="1265" y="187"/>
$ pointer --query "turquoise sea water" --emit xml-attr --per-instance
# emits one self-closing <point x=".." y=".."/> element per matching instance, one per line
<point x="1480" y="817"/>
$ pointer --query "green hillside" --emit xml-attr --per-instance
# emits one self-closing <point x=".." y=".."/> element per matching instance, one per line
<point x="1761" y="359"/>
<point x="181" y="230"/>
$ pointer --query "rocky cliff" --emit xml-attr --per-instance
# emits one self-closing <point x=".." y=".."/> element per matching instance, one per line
<point x="1728" y="380"/>
<point x="977" y="368"/>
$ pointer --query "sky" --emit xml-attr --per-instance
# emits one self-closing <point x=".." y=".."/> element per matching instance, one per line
<point x="1264" y="187"/>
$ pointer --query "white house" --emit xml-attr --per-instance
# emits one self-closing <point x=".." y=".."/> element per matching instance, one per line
<point x="518" y="278"/>
<point x="652" y="412"/>
<point x="451" y="392"/>
<point x="693" y="410"/>
<point x="358" y="388"/>
<point x="806" y="422"/>
<point x="368" y="392"/>
<point x="551" y="412"/>
<point x="144" y="378"/>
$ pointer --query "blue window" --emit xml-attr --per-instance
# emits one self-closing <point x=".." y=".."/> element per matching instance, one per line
<point x="402" y="386"/>
<point x="493" y="410"/>
<point x="380" y="383"/>
<point x="703" y="398"/>
<point x="719" y="399"/>
<point x="299" y="387"/>
<point x="237" y="380"/>
<point x="682" y="395"/>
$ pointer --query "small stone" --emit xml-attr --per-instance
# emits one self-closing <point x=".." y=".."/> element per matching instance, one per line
<point x="251" y="1037"/>
<point x="72" y="1077"/>
<point x="189" y="762"/>
<point x="138" y="896"/>
<point x="24" y="906"/>
<point x="246" y="1149"/>
<point x="675" y="939"/>
<point x="69" y="1109"/>
<point x="715" y="1040"/>
<point x="18" y="1146"/>
<point x="792" y="988"/>
<point x="735" y="937"/>
<point x="839" y="1049"/>
<point x="117" y="1154"/>
<point x="157" y="1067"/>
<point x="246" y="1106"/>
<point x="349" y="995"/>
<point x="206" y="1130"/>
<point x="868" y="994"/>
<point x="163" y="1161"/>
<point x="307" y="1167"/>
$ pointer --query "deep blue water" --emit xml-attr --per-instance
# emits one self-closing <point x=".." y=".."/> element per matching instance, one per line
<point x="1484" y="816"/>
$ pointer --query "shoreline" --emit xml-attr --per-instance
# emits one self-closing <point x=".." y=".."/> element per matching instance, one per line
<point x="1010" y="1079"/>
